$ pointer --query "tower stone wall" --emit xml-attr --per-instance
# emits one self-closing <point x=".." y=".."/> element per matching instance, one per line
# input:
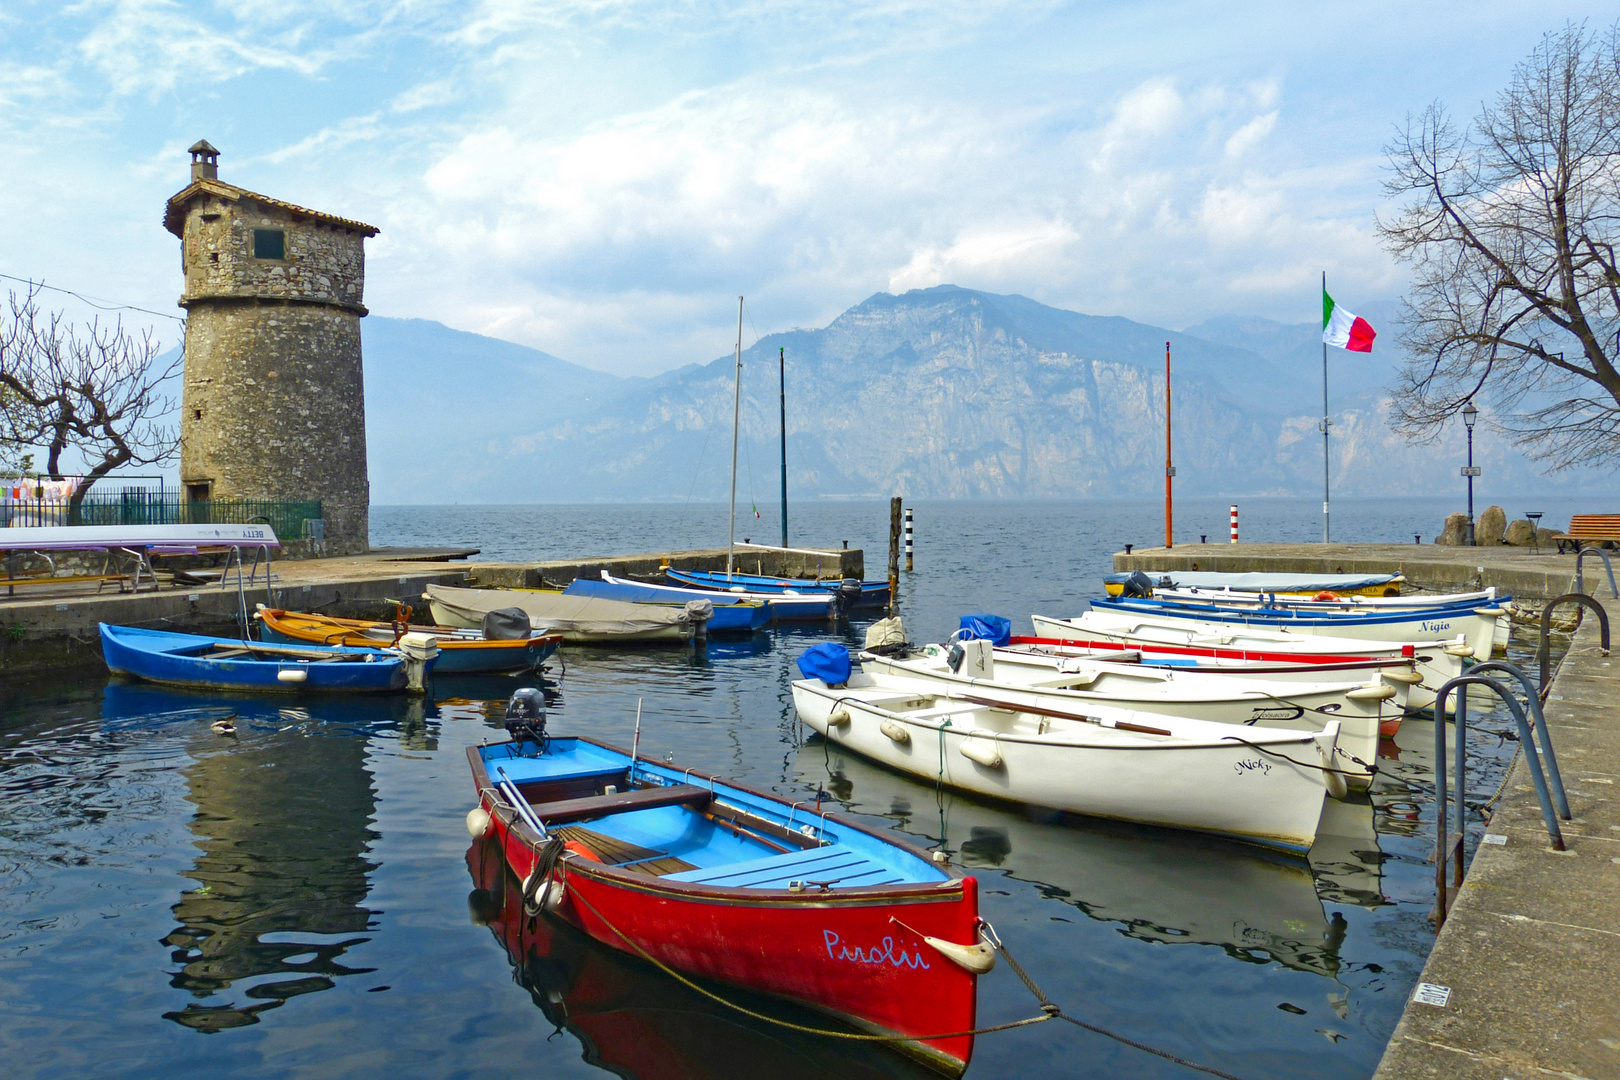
<point x="274" y="393"/>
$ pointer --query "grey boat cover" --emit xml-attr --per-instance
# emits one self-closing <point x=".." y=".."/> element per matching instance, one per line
<point x="577" y="618"/>
<point x="1260" y="582"/>
<point x="506" y="624"/>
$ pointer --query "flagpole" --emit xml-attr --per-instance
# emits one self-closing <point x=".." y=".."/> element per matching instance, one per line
<point x="1327" y="518"/>
<point x="1169" y="467"/>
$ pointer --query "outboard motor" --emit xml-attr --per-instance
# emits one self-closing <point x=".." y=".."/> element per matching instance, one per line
<point x="1137" y="585"/>
<point x="507" y="624"/>
<point x="849" y="594"/>
<point x="526" y="718"/>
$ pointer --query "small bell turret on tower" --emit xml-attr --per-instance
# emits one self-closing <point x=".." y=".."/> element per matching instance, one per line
<point x="204" y="161"/>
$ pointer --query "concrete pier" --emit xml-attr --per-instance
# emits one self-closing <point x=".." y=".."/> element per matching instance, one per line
<point x="56" y="628"/>
<point x="1529" y="957"/>
<point x="1531" y="952"/>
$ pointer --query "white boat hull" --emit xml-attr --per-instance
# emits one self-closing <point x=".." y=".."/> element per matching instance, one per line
<point x="1307" y="707"/>
<point x="1438" y="661"/>
<point x="1213" y="785"/>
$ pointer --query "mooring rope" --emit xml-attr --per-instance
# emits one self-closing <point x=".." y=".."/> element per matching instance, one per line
<point x="1049" y="1009"/>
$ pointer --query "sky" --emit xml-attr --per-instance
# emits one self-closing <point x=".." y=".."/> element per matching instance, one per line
<point x="600" y="179"/>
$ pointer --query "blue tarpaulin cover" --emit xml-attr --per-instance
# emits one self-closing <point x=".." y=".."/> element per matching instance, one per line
<point x="992" y="628"/>
<point x="828" y="662"/>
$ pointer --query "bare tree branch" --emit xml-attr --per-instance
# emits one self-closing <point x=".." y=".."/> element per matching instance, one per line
<point x="94" y="392"/>
<point x="1510" y="229"/>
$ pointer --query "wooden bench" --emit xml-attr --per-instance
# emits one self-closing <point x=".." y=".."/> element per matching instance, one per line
<point x="1598" y="530"/>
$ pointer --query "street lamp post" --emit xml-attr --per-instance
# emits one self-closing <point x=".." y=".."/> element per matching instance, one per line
<point x="1469" y="415"/>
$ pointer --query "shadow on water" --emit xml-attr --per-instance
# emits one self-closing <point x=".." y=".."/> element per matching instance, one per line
<point x="1155" y="885"/>
<point x="634" y="1021"/>
<point x="282" y="824"/>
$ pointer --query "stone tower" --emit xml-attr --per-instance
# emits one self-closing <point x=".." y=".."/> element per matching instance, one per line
<point x="274" y="402"/>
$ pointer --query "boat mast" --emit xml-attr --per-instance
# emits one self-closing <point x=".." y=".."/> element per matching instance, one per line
<point x="1169" y="465"/>
<point x="781" y="358"/>
<point x="736" y="416"/>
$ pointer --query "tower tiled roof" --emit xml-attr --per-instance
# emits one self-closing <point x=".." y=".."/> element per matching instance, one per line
<point x="174" y="216"/>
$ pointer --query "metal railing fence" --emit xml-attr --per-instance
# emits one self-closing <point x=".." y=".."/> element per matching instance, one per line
<point x="143" y="507"/>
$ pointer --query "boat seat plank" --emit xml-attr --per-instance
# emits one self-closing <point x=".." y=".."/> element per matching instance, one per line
<point x="622" y="802"/>
<point x="612" y="851"/>
<point x="833" y="865"/>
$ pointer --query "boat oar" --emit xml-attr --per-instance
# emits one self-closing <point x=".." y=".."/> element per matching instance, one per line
<point x="1010" y="706"/>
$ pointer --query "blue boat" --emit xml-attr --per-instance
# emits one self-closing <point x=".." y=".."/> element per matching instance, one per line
<point x="818" y="606"/>
<point x="730" y="616"/>
<point x="161" y="656"/>
<point x="870" y="594"/>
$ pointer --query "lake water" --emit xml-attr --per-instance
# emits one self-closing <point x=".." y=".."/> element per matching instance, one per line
<point x="293" y="901"/>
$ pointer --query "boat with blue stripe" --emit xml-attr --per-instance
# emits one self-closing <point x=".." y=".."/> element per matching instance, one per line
<point x="851" y="593"/>
<point x="784" y="607"/>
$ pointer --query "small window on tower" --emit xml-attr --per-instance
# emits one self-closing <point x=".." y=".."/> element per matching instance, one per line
<point x="269" y="244"/>
<point x="213" y="256"/>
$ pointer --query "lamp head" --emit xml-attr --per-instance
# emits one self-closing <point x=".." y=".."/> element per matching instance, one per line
<point x="1470" y="414"/>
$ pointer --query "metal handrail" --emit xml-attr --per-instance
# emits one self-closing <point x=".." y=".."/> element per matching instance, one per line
<point x="1448" y="847"/>
<point x="1533" y="699"/>
<point x="1544" y="650"/>
<point x="1580" y="579"/>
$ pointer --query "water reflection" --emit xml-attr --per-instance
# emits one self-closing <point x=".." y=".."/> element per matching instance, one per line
<point x="636" y="1022"/>
<point x="1155" y="885"/>
<point x="283" y="821"/>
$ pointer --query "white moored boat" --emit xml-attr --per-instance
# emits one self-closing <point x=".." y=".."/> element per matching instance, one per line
<point x="1438" y="661"/>
<point x="1478" y="624"/>
<point x="1258" y="784"/>
<point x="1359" y="710"/>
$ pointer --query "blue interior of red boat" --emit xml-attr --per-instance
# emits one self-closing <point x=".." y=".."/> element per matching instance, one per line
<point x="705" y="841"/>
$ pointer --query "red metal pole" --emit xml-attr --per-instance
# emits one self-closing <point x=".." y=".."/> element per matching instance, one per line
<point x="1169" y="467"/>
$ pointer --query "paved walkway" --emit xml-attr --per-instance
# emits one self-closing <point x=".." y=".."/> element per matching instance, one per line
<point x="1531" y="951"/>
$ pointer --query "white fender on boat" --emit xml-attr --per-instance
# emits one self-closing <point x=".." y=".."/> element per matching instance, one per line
<point x="1370" y="693"/>
<point x="1461" y="649"/>
<point x="838" y="717"/>
<point x="1410" y="678"/>
<point x="985" y="753"/>
<point x="978" y="959"/>
<point x="478" y="822"/>
<point x="553" y="898"/>
<point x="895" y="732"/>
<point x="292" y="675"/>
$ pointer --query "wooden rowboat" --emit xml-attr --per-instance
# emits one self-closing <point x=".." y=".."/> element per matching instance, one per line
<point x="461" y="651"/>
<point x="713" y="879"/>
<point x="1257" y="784"/>
<point x="1361" y="710"/>
<point x="226" y="664"/>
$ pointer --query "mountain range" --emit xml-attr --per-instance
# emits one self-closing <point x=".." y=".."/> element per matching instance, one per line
<point x="936" y="393"/>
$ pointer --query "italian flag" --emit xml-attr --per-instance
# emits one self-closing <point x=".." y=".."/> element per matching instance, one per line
<point x="1344" y="330"/>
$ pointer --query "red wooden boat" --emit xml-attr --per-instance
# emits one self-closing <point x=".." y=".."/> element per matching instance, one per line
<point x="634" y="1022"/>
<point x="716" y="880"/>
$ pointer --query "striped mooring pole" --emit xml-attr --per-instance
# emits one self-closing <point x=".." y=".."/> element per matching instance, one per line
<point x="908" y="538"/>
<point x="1234" y="523"/>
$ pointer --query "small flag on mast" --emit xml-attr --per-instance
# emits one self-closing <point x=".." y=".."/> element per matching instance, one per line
<point x="1344" y="330"/>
